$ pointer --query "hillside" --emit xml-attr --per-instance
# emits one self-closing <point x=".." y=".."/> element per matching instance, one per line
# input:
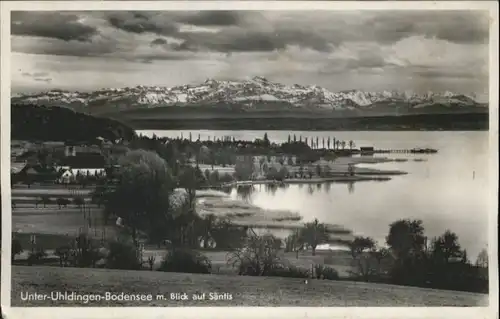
<point x="255" y="95"/>
<point x="447" y="122"/>
<point x="30" y="122"/>
<point x="245" y="291"/>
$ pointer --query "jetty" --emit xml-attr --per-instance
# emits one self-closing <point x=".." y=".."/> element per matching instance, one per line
<point x="372" y="150"/>
<point x="412" y="151"/>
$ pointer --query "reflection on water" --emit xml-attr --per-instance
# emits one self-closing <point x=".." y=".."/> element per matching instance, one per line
<point x="448" y="190"/>
<point x="245" y="192"/>
<point x="350" y="187"/>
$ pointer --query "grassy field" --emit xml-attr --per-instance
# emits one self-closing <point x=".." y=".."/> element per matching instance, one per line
<point x="245" y="291"/>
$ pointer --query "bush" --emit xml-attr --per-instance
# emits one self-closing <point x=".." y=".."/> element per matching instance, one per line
<point x="225" y="178"/>
<point x="122" y="255"/>
<point x="325" y="272"/>
<point x="186" y="261"/>
<point x="258" y="255"/>
<point x="64" y="253"/>
<point x="63" y="202"/>
<point x="16" y="249"/>
<point x="36" y="256"/>
<point x="78" y="201"/>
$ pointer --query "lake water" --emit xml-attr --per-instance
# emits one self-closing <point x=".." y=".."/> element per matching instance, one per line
<point x="450" y="190"/>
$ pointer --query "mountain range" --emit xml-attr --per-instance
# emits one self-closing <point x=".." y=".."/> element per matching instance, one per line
<point x="257" y="95"/>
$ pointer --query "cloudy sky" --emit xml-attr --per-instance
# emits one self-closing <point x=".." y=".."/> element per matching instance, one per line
<point x="339" y="50"/>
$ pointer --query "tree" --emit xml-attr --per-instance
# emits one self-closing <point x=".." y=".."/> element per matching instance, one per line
<point x="190" y="179"/>
<point x="343" y="143"/>
<point x="214" y="177"/>
<point x="79" y="201"/>
<point x="45" y="200"/>
<point x="328" y="142"/>
<point x="482" y="258"/>
<point x="258" y="256"/>
<point x="326" y="170"/>
<point x="314" y="234"/>
<point x="318" y="170"/>
<point x="207" y="175"/>
<point x="360" y="248"/>
<point x="351" y="144"/>
<point x="266" y="139"/>
<point x="141" y="197"/>
<point x="337" y="144"/>
<point x="123" y="254"/>
<point x="350" y="169"/>
<point x="446" y="246"/>
<point x="16" y="248"/>
<point x="244" y="168"/>
<point x="294" y="243"/>
<point x="406" y="237"/>
<point x="262" y="160"/>
<point x="289" y="138"/>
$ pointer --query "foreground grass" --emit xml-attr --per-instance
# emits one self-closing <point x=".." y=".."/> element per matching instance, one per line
<point x="245" y="291"/>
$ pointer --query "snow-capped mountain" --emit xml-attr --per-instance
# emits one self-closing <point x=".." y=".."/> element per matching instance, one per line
<point x="256" y="93"/>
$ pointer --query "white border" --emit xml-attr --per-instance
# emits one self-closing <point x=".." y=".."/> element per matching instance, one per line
<point x="246" y="312"/>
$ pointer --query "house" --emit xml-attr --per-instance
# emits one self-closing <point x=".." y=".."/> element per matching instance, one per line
<point x="36" y="173"/>
<point x="367" y="150"/>
<point x="17" y="167"/>
<point x="87" y="164"/>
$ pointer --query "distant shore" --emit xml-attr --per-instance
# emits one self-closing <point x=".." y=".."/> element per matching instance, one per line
<point x="339" y="179"/>
<point x="411" y="122"/>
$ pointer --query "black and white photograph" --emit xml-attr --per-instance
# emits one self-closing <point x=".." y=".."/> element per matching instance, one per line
<point x="251" y="156"/>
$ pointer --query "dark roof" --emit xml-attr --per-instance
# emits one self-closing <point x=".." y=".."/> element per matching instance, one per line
<point x="85" y="160"/>
<point x="37" y="169"/>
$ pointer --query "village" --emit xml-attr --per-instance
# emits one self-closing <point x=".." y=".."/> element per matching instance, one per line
<point x="67" y="163"/>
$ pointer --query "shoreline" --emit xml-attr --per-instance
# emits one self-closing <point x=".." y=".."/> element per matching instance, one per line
<point x="334" y="179"/>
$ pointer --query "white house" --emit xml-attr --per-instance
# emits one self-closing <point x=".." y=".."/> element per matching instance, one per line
<point x="69" y="174"/>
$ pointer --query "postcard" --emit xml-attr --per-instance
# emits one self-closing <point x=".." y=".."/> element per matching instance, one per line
<point x="253" y="159"/>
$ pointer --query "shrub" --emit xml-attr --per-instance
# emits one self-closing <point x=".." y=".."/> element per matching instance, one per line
<point x="36" y="256"/>
<point x="225" y="178"/>
<point x="63" y="252"/>
<point x="258" y="256"/>
<point x="325" y="272"/>
<point x="186" y="261"/>
<point x="122" y="255"/>
<point x="63" y="202"/>
<point x="78" y="201"/>
<point x="16" y="249"/>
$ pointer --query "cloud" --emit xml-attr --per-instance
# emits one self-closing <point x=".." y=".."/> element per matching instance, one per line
<point x="55" y="25"/>
<point x="453" y="26"/>
<point x="35" y="74"/>
<point x="142" y="22"/>
<point x="159" y="41"/>
<point x="238" y="39"/>
<point x="99" y="47"/>
<point x="212" y="18"/>
<point x="38" y="76"/>
<point x="46" y="80"/>
<point x="432" y="46"/>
